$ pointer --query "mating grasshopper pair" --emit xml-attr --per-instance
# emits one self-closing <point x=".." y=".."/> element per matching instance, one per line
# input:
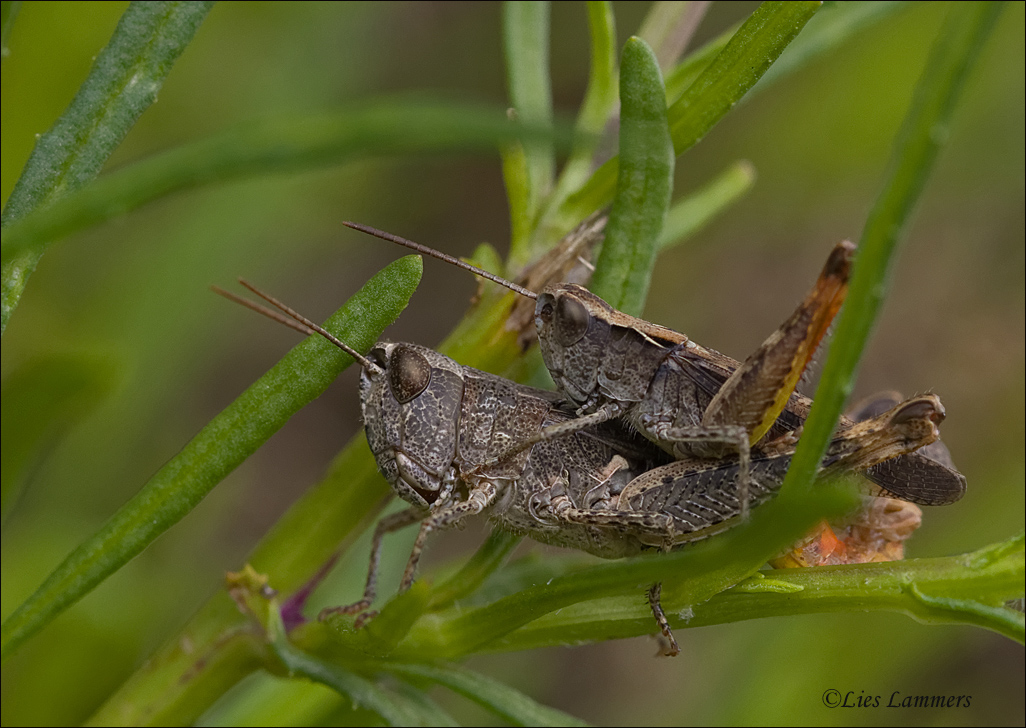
<point x="453" y="441"/>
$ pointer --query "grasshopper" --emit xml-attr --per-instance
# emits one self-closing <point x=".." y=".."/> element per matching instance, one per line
<point x="433" y="426"/>
<point x="690" y="400"/>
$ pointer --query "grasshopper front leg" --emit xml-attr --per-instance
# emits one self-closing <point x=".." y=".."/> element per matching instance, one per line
<point x="394" y="522"/>
<point x="480" y="497"/>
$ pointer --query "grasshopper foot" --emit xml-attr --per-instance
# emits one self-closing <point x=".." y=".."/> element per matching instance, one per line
<point x="359" y="608"/>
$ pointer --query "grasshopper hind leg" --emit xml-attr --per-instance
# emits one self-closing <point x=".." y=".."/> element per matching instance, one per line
<point x="668" y="646"/>
<point x="710" y="442"/>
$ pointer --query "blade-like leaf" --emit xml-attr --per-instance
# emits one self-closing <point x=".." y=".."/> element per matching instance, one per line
<point x="123" y="82"/>
<point x="266" y="146"/>
<point x="744" y="59"/>
<point x="644" y="187"/>
<point x="525" y="31"/>
<point x="219" y="448"/>
<point x="695" y="211"/>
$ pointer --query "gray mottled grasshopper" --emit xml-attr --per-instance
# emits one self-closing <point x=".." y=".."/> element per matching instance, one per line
<point x="434" y="426"/>
<point x="692" y="401"/>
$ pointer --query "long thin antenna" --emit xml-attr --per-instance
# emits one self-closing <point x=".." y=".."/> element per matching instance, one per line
<point x="294" y="320"/>
<point x="440" y="256"/>
<point x="263" y="310"/>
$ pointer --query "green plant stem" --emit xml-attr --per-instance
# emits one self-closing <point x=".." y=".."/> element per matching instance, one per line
<point x="710" y="566"/>
<point x="308" y="652"/>
<point x="231" y="437"/>
<point x="967" y="587"/>
<point x="123" y="83"/>
<point x="922" y="134"/>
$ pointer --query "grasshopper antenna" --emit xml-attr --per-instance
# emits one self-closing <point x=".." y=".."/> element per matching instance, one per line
<point x="441" y="256"/>
<point x="294" y="320"/>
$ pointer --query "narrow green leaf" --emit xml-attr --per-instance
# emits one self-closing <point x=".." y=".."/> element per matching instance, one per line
<point x="218" y="449"/>
<point x="922" y="134"/>
<point x="266" y="146"/>
<point x="695" y="211"/>
<point x="828" y="29"/>
<point x="644" y="187"/>
<point x="681" y="76"/>
<point x="501" y="699"/>
<point x="942" y="610"/>
<point x="123" y="82"/>
<point x="743" y="60"/>
<point x="517" y="179"/>
<point x="599" y="102"/>
<point x="831" y="27"/>
<point x="525" y="34"/>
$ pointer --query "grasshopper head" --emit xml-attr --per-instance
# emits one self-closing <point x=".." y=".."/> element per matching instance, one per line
<point x="411" y="411"/>
<point x="595" y="353"/>
<point x="573" y="332"/>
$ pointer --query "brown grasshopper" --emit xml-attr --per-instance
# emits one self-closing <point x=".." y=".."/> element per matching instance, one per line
<point x="434" y="425"/>
<point x="690" y="400"/>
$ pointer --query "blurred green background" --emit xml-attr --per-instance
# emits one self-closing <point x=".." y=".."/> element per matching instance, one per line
<point x="128" y="304"/>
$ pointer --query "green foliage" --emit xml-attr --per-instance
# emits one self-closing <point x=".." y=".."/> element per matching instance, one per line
<point x="644" y="186"/>
<point x="385" y="671"/>
<point x="123" y="83"/>
<point x="219" y="448"/>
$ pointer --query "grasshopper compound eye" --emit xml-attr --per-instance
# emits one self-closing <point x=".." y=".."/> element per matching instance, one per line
<point x="409" y="374"/>
<point x="572" y="320"/>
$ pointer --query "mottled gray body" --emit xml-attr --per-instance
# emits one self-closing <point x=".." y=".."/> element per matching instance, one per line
<point x="435" y="427"/>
